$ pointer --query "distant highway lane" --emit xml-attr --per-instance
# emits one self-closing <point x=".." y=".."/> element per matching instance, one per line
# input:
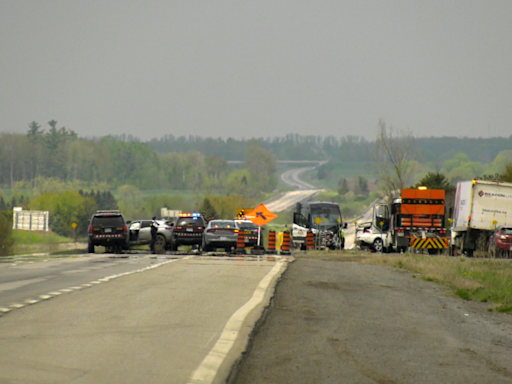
<point x="303" y="190"/>
<point x="291" y="178"/>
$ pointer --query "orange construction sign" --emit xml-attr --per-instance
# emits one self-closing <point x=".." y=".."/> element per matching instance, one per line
<point x="260" y="215"/>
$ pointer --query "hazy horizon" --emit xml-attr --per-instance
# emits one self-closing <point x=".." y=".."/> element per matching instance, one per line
<point x="257" y="69"/>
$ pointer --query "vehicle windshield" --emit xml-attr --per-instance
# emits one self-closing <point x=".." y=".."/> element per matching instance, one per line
<point x="192" y="221"/>
<point x="223" y="224"/>
<point x="506" y="231"/>
<point x="108" y="221"/>
<point x="329" y="214"/>
<point x="246" y="225"/>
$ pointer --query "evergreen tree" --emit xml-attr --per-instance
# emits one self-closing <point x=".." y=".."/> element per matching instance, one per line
<point x="361" y="186"/>
<point x="507" y="175"/>
<point x="207" y="208"/>
<point x="108" y="201"/>
<point x="322" y="173"/>
<point x="435" y="181"/>
<point x="343" y="186"/>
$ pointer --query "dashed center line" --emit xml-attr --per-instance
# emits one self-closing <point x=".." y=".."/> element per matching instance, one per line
<point x="50" y="295"/>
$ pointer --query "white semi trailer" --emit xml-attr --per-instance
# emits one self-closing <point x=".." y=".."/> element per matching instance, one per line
<point x="480" y="206"/>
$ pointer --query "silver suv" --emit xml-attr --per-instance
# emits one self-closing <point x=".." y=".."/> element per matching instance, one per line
<point x="140" y="234"/>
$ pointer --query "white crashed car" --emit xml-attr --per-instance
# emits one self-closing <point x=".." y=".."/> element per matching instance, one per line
<point x="370" y="237"/>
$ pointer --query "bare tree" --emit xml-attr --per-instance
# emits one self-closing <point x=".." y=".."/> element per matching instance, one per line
<point x="392" y="160"/>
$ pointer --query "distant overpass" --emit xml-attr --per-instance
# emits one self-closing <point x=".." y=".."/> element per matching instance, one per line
<point x="286" y="162"/>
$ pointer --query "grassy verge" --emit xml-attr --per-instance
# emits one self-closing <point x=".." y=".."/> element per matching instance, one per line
<point x="470" y="279"/>
<point x="36" y="241"/>
<point x="484" y="280"/>
<point x="36" y="237"/>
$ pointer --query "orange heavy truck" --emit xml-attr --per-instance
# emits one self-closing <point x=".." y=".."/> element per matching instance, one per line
<point x="416" y="221"/>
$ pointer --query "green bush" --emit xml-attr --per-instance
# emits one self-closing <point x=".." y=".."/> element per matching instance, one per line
<point x="6" y="239"/>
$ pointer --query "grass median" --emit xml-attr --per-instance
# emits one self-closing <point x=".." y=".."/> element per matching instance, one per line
<point x="484" y="280"/>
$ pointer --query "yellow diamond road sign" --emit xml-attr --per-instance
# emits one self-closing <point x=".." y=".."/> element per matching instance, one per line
<point x="74" y="225"/>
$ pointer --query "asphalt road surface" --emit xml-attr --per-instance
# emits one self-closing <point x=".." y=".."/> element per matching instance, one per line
<point x="289" y="199"/>
<point x="161" y="320"/>
<point x="291" y="178"/>
<point x="337" y="321"/>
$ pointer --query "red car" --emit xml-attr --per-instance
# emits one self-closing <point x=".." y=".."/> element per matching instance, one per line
<point x="500" y="242"/>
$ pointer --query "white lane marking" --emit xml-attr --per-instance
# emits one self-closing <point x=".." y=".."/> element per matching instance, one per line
<point x="76" y="288"/>
<point x="205" y="373"/>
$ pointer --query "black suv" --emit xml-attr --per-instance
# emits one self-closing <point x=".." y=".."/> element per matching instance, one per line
<point x="108" y="229"/>
<point x="188" y="230"/>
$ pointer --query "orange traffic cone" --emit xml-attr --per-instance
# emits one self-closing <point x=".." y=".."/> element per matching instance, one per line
<point x="310" y="241"/>
<point x="240" y="244"/>
<point x="285" y="248"/>
<point x="271" y="247"/>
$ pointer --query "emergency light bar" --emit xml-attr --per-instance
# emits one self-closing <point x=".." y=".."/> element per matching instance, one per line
<point x="193" y="214"/>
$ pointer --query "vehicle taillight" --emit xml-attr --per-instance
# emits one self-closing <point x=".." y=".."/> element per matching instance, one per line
<point x="124" y="228"/>
<point x="178" y="228"/>
<point x="90" y="228"/>
<point x="236" y="231"/>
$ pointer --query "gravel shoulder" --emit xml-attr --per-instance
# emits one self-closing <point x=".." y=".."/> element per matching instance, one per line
<point x="339" y="321"/>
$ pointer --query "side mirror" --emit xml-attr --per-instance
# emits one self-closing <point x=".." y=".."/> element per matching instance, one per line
<point x="128" y="222"/>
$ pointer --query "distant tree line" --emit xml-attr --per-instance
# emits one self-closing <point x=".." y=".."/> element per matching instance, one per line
<point x="58" y="154"/>
<point x="348" y="148"/>
<point x="200" y="164"/>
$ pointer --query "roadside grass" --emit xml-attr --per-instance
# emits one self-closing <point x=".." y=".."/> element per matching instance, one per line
<point x="487" y="280"/>
<point x="26" y="242"/>
<point x="35" y="237"/>
<point x="484" y="280"/>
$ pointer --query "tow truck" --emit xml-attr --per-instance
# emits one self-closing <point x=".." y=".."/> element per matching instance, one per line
<point x="416" y="221"/>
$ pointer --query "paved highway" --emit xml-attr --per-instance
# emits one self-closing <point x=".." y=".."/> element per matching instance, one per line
<point x="303" y="190"/>
<point x="291" y="178"/>
<point x="134" y="320"/>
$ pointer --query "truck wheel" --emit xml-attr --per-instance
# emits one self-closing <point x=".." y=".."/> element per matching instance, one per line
<point x="377" y="245"/>
<point x="90" y="248"/>
<point x="160" y="244"/>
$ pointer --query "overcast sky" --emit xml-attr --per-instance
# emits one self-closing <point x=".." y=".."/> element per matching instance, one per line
<point x="257" y="68"/>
